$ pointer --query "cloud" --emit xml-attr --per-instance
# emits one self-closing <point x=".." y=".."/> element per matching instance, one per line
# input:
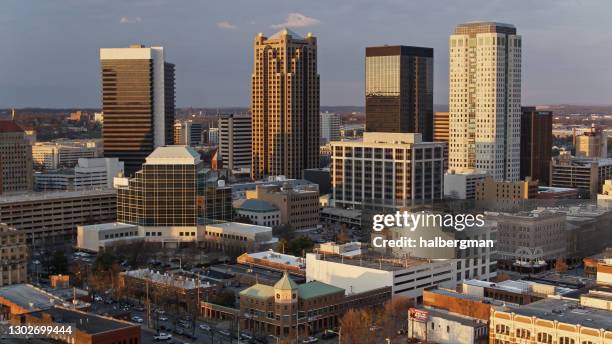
<point x="130" y="20"/>
<point x="225" y="25"/>
<point x="297" y="20"/>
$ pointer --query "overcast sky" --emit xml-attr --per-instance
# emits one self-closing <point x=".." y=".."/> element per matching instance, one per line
<point x="49" y="49"/>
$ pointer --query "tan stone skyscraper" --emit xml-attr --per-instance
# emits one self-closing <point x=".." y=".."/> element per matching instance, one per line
<point x="285" y="105"/>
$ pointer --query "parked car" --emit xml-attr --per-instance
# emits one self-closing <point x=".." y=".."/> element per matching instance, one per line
<point x="162" y="318"/>
<point x="329" y="334"/>
<point x="137" y="319"/>
<point x="224" y="332"/>
<point x="204" y="327"/>
<point x="162" y="336"/>
<point x="310" y="340"/>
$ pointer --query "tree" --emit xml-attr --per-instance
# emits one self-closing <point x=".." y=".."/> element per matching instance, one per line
<point x="355" y="327"/>
<point x="394" y="315"/>
<point x="59" y="263"/>
<point x="104" y="261"/>
<point x="224" y="298"/>
<point x="284" y="231"/>
<point x="299" y="246"/>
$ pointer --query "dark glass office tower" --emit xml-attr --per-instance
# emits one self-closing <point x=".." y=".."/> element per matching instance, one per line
<point x="138" y="103"/>
<point x="536" y="144"/>
<point x="399" y="90"/>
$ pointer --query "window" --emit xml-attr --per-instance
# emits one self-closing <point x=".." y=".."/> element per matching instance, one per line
<point x="544" y="338"/>
<point x="566" y="340"/>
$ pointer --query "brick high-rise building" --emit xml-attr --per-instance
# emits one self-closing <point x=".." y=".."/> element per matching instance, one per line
<point x="284" y="105"/>
<point x="399" y="90"/>
<point x="485" y="99"/>
<point x="536" y="144"/>
<point x="138" y="103"/>
<point x="15" y="159"/>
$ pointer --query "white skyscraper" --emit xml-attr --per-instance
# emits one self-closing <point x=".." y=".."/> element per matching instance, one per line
<point x="485" y="99"/>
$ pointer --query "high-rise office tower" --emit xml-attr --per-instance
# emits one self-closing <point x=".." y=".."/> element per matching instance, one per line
<point x="592" y="144"/>
<point x="330" y="127"/>
<point x="387" y="169"/>
<point x="137" y="101"/>
<point x="235" y="141"/>
<point x="536" y="144"/>
<point x="187" y="133"/>
<point x="440" y="132"/>
<point x="485" y="99"/>
<point x="285" y="105"/>
<point x="399" y="90"/>
<point x="15" y="159"/>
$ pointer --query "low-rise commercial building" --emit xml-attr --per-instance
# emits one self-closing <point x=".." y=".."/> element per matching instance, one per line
<point x="238" y="237"/>
<point x="13" y="256"/>
<point x="163" y="289"/>
<point x="98" y="237"/>
<point x="299" y="207"/>
<point x="491" y="191"/>
<point x="462" y="184"/>
<point x="406" y="277"/>
<point x="87" y="328"/>
<point x="288" y="310"/>
<point x="531" y="240"/>
<point x="551" y="320"/>
<point x="54" y="180"/>
<point x="274" y="261"/>
<point x="258" y="211"/>
<point x="60" y="154"/>
<point x="604" y="199"/>
<point x="585" y="174"/>
<point x="349" y="217"/>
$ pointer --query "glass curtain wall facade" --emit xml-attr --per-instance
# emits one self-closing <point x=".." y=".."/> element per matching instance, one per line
<point x="399" y="90"/>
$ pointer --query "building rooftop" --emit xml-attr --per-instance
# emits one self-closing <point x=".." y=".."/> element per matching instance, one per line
<point x="279" y="258"/>
<point x="375" y="262"/>
<point x="84" y="322"/>
<point x="349" y="213"/>
<point x="56" y="195"/>
<point x="108" y="226"/>
<point x="240" y="228"/>
<point x="516" y="286"/>
<point x="314" y="289"/>
<point x="29" y="297"/>
<point x="566" y="311"/>
<point x="10" y="127"/>
<point x="258" y="291"/>
<point x="286" y="31"/>
<point x="173" y="155"/>
<point x="285" y="283"/>
<point x="307" y="290"/>
<point x="174" y="280"/>
<point x="256" y="205"/>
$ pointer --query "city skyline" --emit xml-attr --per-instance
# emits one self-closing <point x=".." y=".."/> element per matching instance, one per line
<point x="562" y="30"/>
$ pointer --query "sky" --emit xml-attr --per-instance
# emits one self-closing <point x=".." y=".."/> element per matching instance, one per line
<point x="49" y="54"/>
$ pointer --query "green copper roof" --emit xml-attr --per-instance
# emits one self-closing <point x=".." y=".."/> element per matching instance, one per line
<point x="316" y="289"/>
<point x="285" y="283"/>
<point x="260" y="291"/>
